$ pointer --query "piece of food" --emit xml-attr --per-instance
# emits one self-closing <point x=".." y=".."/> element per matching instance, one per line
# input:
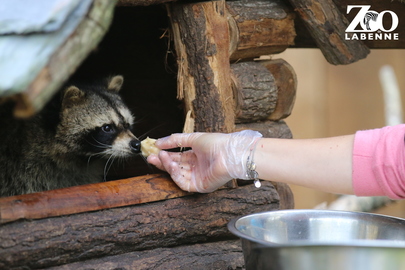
<point x="148" y="147"/>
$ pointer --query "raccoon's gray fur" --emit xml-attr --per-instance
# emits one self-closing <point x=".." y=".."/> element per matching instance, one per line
<point x="68" y="143"/>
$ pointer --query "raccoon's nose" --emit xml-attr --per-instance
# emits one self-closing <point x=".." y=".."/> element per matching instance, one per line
<point x="135" y="146"/>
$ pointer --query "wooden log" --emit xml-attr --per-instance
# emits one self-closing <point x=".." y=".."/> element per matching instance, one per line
<point x="256" y="91"/>
<point x="259" y="28"/>
<point x="326" y="25"/>
<point x="217" y="255"/>
<point x="286" y="82"/>
<point x="191" y="219"/>
<point x="91" y="197"/>
<point x="201" y="39"/>
<point x="269" y="129"/>
<point x="286" y="195"/>
<point x="264" y="90"/>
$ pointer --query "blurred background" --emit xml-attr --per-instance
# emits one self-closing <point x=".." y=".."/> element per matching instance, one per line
<point x="339" y="100"/>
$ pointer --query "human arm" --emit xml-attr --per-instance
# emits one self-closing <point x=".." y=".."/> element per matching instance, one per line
<point x="369" y="163"/>
<point x="324" y="164"/>
<point x="303" y="162"/>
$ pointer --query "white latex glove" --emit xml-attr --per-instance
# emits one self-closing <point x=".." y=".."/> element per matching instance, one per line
<point x="214" y="159"/>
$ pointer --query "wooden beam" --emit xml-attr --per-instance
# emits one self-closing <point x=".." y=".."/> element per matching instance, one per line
<point x="91" y="197"/>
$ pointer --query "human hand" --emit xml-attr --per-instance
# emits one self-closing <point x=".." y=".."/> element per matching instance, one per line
<point x="213" y="160"/>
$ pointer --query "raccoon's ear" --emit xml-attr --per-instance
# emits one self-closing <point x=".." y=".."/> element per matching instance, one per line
<point x="72" y="96"/>
<point x="115" y="83"/>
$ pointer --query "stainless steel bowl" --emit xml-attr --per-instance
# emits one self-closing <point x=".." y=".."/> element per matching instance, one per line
<point x="317" y="239"/>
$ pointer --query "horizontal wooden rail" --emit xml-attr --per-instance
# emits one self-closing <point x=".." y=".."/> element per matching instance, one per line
<point x="91" y="197"/>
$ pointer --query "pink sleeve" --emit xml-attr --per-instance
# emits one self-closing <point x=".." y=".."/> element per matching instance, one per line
<point x="379" y="162"/>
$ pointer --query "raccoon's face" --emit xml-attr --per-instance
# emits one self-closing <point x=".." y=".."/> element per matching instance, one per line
<point x="95" y="122"/>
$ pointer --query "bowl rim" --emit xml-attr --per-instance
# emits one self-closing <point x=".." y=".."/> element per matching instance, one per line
<point x="303" y="243"/>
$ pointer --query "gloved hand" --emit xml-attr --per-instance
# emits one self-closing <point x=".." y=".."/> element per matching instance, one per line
<point x="213" y="160"/>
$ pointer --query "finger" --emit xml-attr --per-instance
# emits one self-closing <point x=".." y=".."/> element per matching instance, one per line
<point x="179" y="172"/>
<point x="177" y="140"/>
<point x="155" y="160"/>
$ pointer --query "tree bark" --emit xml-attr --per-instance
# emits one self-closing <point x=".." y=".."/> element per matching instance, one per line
<point x="201" y="38"/>
<point x="269" y="129"/>
<point x="256" y="91"/>
<point x="326" y="25"/>
<point x="263" y="90"/>
<point x="217" y="255"/>
<point x="286" y="82"/>
<point x="191" y="219"/>
<point x="259" y="28"/>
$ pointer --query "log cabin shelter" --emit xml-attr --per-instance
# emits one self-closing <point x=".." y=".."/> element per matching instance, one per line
<point x="208" y="66"/>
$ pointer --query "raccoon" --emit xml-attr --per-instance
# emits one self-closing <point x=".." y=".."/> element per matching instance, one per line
<point x="72" y="141"/>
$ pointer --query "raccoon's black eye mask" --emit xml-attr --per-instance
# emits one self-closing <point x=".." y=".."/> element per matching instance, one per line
<point x="101" y="138"/>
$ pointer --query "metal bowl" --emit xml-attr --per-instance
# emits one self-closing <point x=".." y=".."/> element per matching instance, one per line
<point x="318" y="239"/>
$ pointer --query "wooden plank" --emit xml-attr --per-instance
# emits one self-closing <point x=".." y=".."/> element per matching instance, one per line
<point x="91" y="197"/>
<point x="191" y="219"/>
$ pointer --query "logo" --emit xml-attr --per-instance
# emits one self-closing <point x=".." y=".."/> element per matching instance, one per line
<point x="369" y="24"/>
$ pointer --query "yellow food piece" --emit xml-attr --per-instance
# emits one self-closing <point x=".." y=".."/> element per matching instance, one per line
<point x="148" y="147"/>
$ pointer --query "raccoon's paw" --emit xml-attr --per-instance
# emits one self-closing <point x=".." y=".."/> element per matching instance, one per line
<point x="148" y="147"/>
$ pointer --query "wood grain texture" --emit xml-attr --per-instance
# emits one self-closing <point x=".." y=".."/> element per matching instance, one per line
<point x="256" y="91"/>
<point x="286" y="82"/>
<point x="216" y="255"/>
<point x="269" y="129"/>
<point x="259" y="27"/>
<point x="201" y="38"/>
<point x="192" y="219"/>
<point x="91" y="197"/>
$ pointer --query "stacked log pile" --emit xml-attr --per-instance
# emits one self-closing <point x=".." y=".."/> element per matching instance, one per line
<point x="147" y="222"/>
<point x="235" y="89"/>
<point x="226" y="85"/>
<point x="166" y="234"/>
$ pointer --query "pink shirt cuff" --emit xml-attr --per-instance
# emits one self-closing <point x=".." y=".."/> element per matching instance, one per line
<point x="378" y="162"/>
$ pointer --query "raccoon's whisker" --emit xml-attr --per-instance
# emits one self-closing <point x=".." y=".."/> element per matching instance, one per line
<point x="99" y="144"/>
<point x="147" y="163"/>
<point x="107" y="166"/>
<point x="140" y="120"/>
<point x="143" y="136"/>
